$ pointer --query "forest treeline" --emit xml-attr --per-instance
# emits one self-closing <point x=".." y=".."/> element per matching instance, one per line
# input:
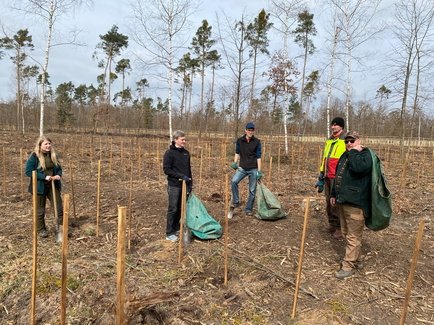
<point x="229" y="73"/>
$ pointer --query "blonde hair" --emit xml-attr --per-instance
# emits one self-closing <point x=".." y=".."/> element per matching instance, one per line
<point x="39" y="153"/>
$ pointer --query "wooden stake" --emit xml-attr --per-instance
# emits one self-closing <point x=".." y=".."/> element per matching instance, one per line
<point x="4" y="172"/>
<point x="200" y="168"/>
<point x="403" y="173"/>
<point x="111" y="156"/>
<point x="412" y="271"/>
<point x="320" y="151"/>
<point x="21" y="171"/>
<point x="278" y="162"/>
<point x="97" y="197"/>
<point x="120" y="268"/>
<point x="226" y="230"/>
<point x="122" y="150"/>
<point x="100" y="148"/>
<point x="291" y="168"/>
<point x="72" y="189"/>
<point x="270" y="167"/>
<point x="91" y="155"/>
<point x="35" y="247"/>
<point x="300" y="258"/>
<point x="181" y="230"/>
<point x="158" y="160"/>
<point x="53" y="194"/>
<point x="64" y="259"/>
<point x="130" y="204"/>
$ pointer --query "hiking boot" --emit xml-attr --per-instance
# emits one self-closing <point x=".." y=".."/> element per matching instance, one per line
<point x="359" y="265"/>
<point x="249" y="213"/>
<point x="234" y="205"/>
<point x="342" y="274"/>
<point x="173" y="238"/>
<point x="338" y="234"/>
<point x="59" y="236"/>
<point x="43" y="233"/>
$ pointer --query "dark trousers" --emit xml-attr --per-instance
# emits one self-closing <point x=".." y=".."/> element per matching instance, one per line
<point x="332" y="211"/>
<point x="41" y="202"/>
<point x="173" y="210"/>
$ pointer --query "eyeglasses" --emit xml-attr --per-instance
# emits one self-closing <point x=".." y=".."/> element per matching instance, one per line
<point x="251" y="130"/>
<point x="350" y="141"/>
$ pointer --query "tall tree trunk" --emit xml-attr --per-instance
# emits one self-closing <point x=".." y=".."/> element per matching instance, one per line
<point x="330" y="79"/>
<point x="45" y="66"/>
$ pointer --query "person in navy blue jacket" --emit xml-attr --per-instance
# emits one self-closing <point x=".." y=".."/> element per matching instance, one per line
<point x="176" y="165"/>
<point x="247" y="162"/>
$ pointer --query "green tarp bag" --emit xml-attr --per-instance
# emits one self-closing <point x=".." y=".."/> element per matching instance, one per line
<point x="201" y="224"/>
<point x="381" y="198"/>
<point x="269" y="207"/>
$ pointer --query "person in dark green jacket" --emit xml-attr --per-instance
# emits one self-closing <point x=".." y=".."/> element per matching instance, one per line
<point x="351" y="191"/>
<point x="45" y="162"/>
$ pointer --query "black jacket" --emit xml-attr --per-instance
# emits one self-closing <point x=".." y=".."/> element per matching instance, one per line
<point x="176" y="164"/>
<point x="249" y="152"/>
<point x="352" y="184"/>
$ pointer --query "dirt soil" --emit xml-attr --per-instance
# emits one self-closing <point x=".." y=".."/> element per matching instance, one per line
<point x="263" y="257"/>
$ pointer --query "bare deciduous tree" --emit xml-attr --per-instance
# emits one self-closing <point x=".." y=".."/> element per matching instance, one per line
<point x="49" y="11"/>
<point x="158" y="30"/>
<point x="413" y="55"/>
<point x="285" y="11"/>
<point x="355" y="23"/>
<point x="234" y="50"/>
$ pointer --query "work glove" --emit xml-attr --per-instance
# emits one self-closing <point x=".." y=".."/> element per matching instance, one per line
<point x="186" y="178"/>
<point x="259" y="175"/>
<point x="234" y="165"/>
<point x="320" y="183"/>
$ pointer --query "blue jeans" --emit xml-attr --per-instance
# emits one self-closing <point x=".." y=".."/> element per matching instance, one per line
<point x="240" y="174"/>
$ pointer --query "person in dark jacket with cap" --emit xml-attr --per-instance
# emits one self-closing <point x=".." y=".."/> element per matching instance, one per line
<point x="333" y="149"/>
<point x="351" y="193"/>
<point x="177" y="167"/>
<point x="247" y="162"/>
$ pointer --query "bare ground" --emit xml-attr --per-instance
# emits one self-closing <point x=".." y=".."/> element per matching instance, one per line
<point x="263" y="256"/>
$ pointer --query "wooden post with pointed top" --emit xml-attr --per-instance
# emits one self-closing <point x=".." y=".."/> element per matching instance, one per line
<point x="182" y="221"/>
<point x="200" y="168"/>
<point x="35" y="247"/>
<point x="412" y="271"/>
<point x="21" y="171"/>
<point x="72" y="189"/>
<point x="98" y="197"/>
<point x="226" y="230"/>
<point x="300" y="258"/>
<point x="64" y="280"/>
<point x="130" y="205"/>
<point x="53" y="194"/>
<point x="4" y="171"/>
<point x="120" y="268"/>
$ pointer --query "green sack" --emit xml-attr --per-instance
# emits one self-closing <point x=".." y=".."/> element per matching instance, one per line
<point x="201" y="224"/>
<point x="269" y="207"/>
<point x="381" y="198"/>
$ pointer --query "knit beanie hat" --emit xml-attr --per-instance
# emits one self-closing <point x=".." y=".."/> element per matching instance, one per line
<point x="338" y="121"/>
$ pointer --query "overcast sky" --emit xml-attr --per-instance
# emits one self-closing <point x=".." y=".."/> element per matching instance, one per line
<point x="75" y="63"/>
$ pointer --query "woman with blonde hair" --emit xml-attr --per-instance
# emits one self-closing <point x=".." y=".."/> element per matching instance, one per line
<point x="48" y="169"/>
